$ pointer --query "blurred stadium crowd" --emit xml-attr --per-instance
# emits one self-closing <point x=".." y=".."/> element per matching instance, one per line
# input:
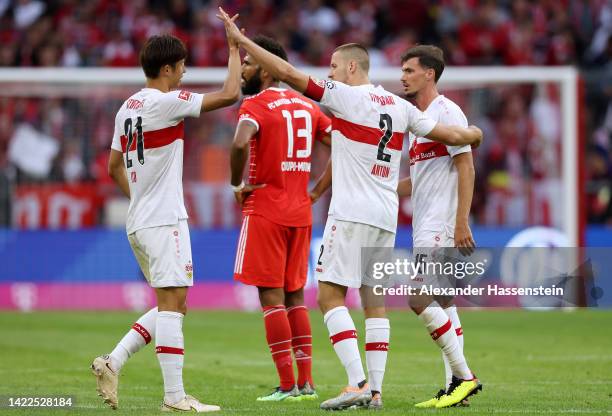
<point x="518" y="169"/>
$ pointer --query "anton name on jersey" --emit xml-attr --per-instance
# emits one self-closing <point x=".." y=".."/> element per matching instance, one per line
<point x="382" y="171"/>
<point x="289" y="166"/>
<point x="287" y="101"/>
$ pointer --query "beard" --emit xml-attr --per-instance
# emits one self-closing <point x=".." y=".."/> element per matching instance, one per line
<point x="252" y="86"/>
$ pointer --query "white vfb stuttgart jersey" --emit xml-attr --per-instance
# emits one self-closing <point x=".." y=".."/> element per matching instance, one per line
<point x="368" y="127"/>
<point x="149" y="132"/>
<point x="433" y="173"/>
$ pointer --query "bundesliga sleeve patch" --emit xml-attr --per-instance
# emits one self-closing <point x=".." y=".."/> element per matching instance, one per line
<point x="184" y="95"/>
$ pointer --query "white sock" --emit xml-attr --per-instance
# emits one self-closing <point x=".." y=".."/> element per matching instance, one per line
<point x="343" y="336"/>
<point x="170" y="349"/>
<point x="137" y="337"/>
<point x="377" y="344"/>
<point x="452" y="314"/>
<point x="440" y="328"/>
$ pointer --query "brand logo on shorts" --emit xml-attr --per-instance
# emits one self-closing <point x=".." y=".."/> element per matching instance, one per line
<point x="189" y="270"/>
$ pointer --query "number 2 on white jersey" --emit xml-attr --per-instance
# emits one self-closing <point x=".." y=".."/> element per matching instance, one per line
<point x="306" y="132"/>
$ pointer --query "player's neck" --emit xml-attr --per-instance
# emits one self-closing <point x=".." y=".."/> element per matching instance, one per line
<point x="358" y="80"/>
<point x="269" y="84"/>
<point x="158" y="84"/>
<point x="425" y="97"/>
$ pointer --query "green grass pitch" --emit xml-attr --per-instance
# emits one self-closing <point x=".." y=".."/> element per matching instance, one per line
<point x="529" y="362"/>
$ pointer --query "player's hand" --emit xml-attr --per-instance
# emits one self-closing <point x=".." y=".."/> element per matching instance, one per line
<point x="464" y="240"/>
<point x="243" y="194"/>
<point x="314" y="196"/>
<point x="478" y="136"/>
<point x="234" y="35"/>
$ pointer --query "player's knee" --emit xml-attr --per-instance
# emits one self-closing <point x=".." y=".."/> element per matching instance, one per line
<point x="294" y="298"/>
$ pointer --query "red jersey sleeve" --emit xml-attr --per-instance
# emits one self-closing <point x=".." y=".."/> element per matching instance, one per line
<point x="249" y="111"/>
<point x="323" y="125"/>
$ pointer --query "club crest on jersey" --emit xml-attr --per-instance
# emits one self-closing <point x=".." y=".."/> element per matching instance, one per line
<point x="184" y="95"/>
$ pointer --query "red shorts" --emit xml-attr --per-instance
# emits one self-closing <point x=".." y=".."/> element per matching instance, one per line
<point x="272" y="255"/>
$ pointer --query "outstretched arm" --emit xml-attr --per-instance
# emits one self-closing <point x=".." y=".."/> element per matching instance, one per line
<point x="230" y="92"/>
<point x="277" y="67"/>
<point x="455" y="135"/>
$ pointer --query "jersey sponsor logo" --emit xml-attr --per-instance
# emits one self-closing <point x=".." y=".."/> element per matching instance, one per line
<point x="382" y="99"/>
<point x="184" y="95"/>
<point x="290" y="166"/>
<point x="425" y="151"/>
<point x="382" y="171"/>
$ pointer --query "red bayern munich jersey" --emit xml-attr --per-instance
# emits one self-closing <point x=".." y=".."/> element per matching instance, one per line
<point x="280" y="154"/>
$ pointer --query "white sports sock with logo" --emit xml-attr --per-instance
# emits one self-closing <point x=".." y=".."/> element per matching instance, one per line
<point x="170" y="354"/>
<point x="440" y="328"/>
<point x="451" y="312"/>
<point x="343" y="336"/>
<point x="141" y="333"/>
<point x="377" y="344"/>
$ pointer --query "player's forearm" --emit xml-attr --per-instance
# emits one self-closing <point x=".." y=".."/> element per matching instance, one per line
<point x="325" y="180"/>
<point x="119" y="176"/>
<point x="230" y="92"/>
<point x="238" y="159"/>
<point x="404" y="187"/>
<point x="465" y="188"/>
<point x="277" y="67"/>
<point x="467" y="135"/>
<point x="455" y="135"/>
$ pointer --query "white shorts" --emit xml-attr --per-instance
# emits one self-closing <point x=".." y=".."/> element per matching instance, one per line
<point x="340" y="259"/>
<point x="428" y="247"/>
<point x="431" y="239"/>
<point x="164" y="254"/>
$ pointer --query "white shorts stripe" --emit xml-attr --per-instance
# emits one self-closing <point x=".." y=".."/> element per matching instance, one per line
<point x="242" y="246"/>
<point x="238" y="247"/>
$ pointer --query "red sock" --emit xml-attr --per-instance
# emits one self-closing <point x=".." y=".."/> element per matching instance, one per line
<point x="302" y="342"/>
<point x="278" y="334"/>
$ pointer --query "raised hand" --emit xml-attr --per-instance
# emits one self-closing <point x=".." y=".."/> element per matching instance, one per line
<point x="234" y="35"/>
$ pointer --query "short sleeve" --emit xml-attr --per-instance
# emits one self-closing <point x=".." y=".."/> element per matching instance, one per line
<point x="323" y="125"/>
<point x="248" y="111"/>
<point x="453" y="116"/>
<point x="332" y="94"/>
<point x="176" y="105"/>
<point x="116" y="144"/>
<point x="418" y="122"/>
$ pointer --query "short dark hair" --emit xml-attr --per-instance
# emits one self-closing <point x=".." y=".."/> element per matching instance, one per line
<point x="430" y="57"/>
<point x="159" y="51"/>
<point x="271" y="45"/>
<point x="358" y="52"/>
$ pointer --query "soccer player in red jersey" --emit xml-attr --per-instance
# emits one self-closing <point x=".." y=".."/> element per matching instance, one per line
<point x="275" y="131"/>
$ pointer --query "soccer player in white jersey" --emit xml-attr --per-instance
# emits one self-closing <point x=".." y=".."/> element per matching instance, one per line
<point x="146" y="162"/>
<point x="441" y="184"/>
<point x="368" y="126"/>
